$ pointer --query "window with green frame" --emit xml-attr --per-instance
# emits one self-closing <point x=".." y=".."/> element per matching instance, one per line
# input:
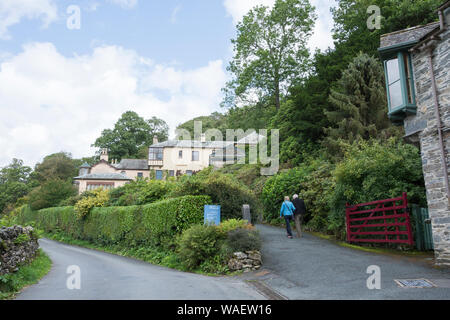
<point x="400" y="85"/>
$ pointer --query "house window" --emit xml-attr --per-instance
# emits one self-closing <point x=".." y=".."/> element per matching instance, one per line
<point x="180" y="154"/>
<point x="195" y="155"/>
<point x="400" y="86"/>
<point x="155" y="154"/>
<point x="171" y="173"/>
<point x="189" y="172"/>
<point x="140" y="174"/>
<point x="159" y="175"/>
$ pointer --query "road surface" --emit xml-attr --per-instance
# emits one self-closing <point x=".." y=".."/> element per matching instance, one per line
<point x="105" y="277"/>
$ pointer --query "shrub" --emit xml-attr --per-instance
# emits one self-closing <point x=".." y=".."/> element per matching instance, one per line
<point x="243" y="240"/>
<point x="371" y="171"/>
<point x="233" y="224"/>
<point x="198" y="244"/>
<point x="50" y="194"/>
<point x="223" y="189"/>
<point x="141" y="191"/>
<point x="285" y="183"/>
<point x="97" y="198"/>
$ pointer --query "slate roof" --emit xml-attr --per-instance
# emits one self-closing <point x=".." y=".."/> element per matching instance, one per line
<point x="132" y="164"/>
<point x="103" y="176"/>
<point x="85" y="165"/>
<point x="410" y="35"/>
<point x="192" y="144"/>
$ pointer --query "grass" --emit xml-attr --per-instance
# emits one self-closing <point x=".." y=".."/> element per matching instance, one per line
<point x="153" y="255"/>
<point x="13" y="283"/>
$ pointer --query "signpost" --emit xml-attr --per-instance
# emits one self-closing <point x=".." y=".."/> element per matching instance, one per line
<point x="212" y="215"/>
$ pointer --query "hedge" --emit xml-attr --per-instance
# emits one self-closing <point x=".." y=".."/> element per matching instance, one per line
<point x="132" y="225"/>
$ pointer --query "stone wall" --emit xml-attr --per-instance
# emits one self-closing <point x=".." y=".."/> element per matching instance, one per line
<point x="18" y="245"/>
<point x="438" y="205"/>
<point x="246" y="261"/>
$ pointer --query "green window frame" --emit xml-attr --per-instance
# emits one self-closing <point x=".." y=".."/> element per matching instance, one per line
<point x="400" y="90"/>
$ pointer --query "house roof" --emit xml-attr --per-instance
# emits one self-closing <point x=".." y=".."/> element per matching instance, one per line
<point x="408" y="36"/>
<point x="85" y="165"/>
<point x="103" y="176"/>
<point x="132" y="164"/>
<point x="192" y="144"/>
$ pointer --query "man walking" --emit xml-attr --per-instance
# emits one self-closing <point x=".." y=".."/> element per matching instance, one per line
<point x="287" y="211"/>
<point x="300" y="210"/>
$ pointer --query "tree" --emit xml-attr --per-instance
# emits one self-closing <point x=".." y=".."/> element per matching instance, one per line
<point x="51" y="193"/>
<point x="131" y="133"/>
<point x="14" y="183"/>
<point x="215" y="120"/>
<point x="270" y="50"/>
<point x="56" y="166"/>
<point x="359" y="101"/>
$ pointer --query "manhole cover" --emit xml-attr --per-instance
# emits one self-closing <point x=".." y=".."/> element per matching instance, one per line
<point x="415" y="283"/>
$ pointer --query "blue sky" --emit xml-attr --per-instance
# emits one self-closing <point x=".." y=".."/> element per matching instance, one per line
<point x="60" y="88"/>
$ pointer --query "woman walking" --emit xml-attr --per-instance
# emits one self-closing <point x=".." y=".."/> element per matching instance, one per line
<point x="287" y="211"/>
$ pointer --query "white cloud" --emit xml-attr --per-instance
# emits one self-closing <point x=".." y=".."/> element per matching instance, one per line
<point x="322" y="32"/>
<point x="125" y="3"/>
<point x="51" y="103"/>
<point x="13" y="11"/>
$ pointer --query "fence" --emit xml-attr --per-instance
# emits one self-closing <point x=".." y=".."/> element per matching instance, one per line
<point x="382" y="221"/>
<point x="424" y="236"/>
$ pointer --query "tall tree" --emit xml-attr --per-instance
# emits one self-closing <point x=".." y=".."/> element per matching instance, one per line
<point x="270" y="51"/>
<point x="14" y="183"/>
<point x="131" y="134"/>
<point x="359" y="100"/>
<point x="55" y="166"/>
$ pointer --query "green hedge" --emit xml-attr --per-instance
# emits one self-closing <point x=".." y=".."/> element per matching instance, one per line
<point x="149" y="224"/>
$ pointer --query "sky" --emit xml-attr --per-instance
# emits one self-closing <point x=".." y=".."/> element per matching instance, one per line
<point x="61" y="86"/>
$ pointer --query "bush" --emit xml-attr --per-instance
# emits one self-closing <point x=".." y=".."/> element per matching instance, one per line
<point x="50" y="194"/>
<point x="372" y="171"/>
<point x="198" y="244"/>
<point x="139" y="192"/>
<point x="96" y="198"/>
<point x="285" y="183"/>
<point x="243" y="240"/>
<point x="233" y="224"/>
<point x="223" y="189"/>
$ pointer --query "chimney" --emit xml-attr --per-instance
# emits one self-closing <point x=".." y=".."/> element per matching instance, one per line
<point x="155" y="139"/>
<point x="203" y="138"/>
<point x="104" y="154"/>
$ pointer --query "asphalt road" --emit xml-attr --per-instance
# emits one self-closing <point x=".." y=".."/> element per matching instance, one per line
<point x="314" y="268"/>
<point x="105" y="276"/>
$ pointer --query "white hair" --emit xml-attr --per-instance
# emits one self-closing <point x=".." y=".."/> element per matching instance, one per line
<point x="295" y="196"/>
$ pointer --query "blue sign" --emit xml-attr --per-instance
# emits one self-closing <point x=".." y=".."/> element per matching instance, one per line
<point x="212" y="215"/>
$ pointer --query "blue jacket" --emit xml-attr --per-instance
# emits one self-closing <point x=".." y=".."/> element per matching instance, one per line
<point x="287" y="209"/>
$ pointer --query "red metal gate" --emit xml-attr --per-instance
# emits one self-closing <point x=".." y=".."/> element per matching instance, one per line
<point x="383" y="221"/>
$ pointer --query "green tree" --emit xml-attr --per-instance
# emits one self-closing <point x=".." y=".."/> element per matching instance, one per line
<point x="270" y="50"/>
<point x="359" y="101"/>
<point x="14" y="183"/>
<point x="56" y="166"/>
<point x="131" y="133"/>
<point x="51" y="193"/>
<point x="215" y="120"/>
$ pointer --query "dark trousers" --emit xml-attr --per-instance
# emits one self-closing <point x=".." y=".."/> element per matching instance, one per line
<point x="288" y="224"/>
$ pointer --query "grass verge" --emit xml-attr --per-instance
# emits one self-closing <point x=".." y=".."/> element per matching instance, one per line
<point x="13" y="283"/>
<point x="153" y="255"/>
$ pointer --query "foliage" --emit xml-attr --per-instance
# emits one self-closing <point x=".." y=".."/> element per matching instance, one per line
<point x="243" y="240"/>
<point x="198" y="244"/>
<point x="232" y="224"/>
<point x="270" y="50"/>
<point x="131" y="133"/>
<point x="283" y="184"/>
<point x="28" y="274"/>
<point x="359" y="101"/>
<point x="57" y="166"/>
<point x="215" y="120"/>
<point x="141" y="191"/>
<point x="51" y="193"/>
<point x="374" y="170"/>
<point x="223" y="189"/>
<point x="14" y="183"/>
<point x="96" y="198"/>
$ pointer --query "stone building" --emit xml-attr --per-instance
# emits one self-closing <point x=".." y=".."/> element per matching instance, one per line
<point x="417" y="69"/>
